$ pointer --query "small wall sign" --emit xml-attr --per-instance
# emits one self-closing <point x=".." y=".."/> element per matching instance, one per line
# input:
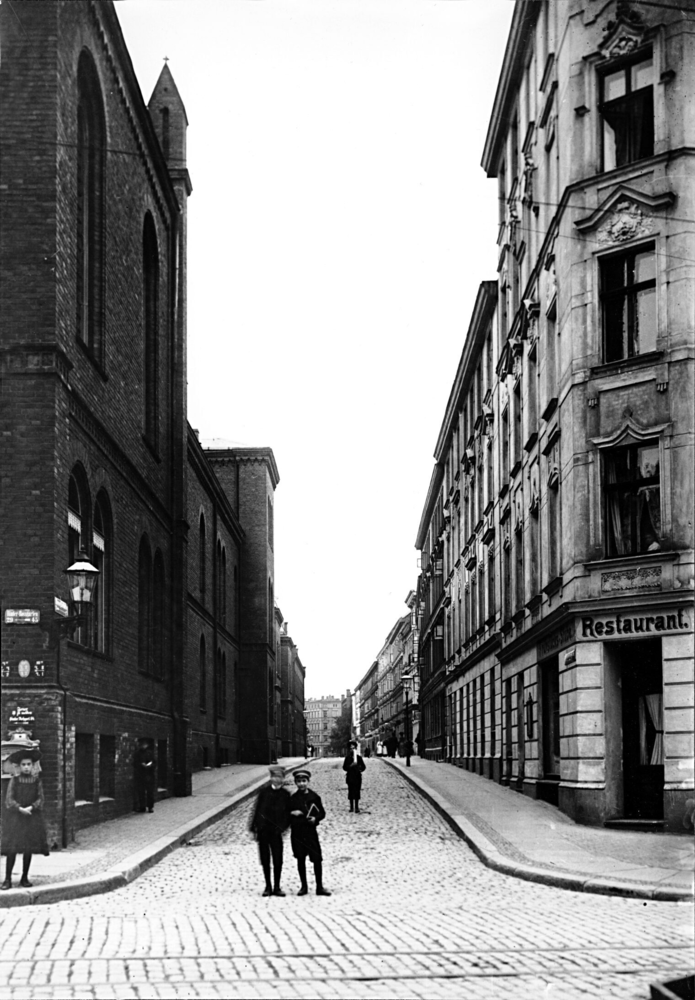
<point x="22" y="616"/>
<point x="60" y="607"/>
<point x="24" y="668"/>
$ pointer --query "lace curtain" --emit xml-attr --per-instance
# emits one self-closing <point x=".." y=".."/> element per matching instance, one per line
<point x="653" y="705"/>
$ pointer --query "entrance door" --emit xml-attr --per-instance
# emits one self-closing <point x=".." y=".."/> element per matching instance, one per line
<point x="642" y="712"/>
<point x="550" y="717"/>
<point x="520" y="733"/>
<point x="508" y="750"/>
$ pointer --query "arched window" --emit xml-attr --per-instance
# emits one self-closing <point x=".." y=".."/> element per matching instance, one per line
<point x="271" y="612"/>
<point x="150" y="270"/>
<point x="221" y="683"/>
<point x="158" y="649"/>
<point x="102" y="558"/>
<point x="91" y="146"/>
<point x="203" y="677"/>
<point x="78" y="526"/>
<point x="223" y="587"/>
<point x="202" y="558"/>
<point x="144" y="606"/>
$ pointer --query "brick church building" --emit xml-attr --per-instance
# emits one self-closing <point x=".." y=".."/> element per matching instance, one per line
<point x="97" y="453"/>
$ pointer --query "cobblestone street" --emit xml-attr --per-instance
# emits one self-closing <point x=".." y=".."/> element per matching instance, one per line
<point x="414" y="914"/>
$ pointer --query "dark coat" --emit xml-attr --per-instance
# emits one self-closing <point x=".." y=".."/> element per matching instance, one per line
<point x="353" y="775"/>
<point x="22" y="834"/>
<point x="272" y="812"/>
<point x="304" y="835"/>
<point x="144" y="767"/>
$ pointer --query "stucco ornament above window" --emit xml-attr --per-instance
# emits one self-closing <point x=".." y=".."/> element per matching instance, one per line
<point x="627" y="222"/>
<point x="626" y="214"/>
<point x="624" y="35"/>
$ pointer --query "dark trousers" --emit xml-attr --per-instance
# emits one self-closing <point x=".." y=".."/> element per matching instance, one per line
<point x="144" y="795"/>
<point x="270" y="846"/>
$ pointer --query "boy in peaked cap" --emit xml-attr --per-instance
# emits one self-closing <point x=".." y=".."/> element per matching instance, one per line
<point x="306" y="812"/>
<point x="271" y="817"/>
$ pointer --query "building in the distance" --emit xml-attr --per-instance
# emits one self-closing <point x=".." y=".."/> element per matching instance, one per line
<point x="293" y="729"/>
<point x="556" y="648"/>
<point x="321" y="715"/>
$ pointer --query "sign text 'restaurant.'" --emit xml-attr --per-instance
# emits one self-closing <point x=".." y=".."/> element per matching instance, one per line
<point x="597" y="628"/>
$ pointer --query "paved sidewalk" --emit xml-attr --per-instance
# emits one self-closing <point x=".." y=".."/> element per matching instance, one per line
<point x="108" y="855"/>
<point x="535" y="841"/>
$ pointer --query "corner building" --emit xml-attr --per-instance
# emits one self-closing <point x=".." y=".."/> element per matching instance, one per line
<point x="556" y="596"/>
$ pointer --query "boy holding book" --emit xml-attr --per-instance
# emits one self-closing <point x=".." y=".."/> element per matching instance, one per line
<point x="306" y="812"/>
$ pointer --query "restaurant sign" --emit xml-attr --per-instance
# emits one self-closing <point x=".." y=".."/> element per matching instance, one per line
<point x="599" y="627"/>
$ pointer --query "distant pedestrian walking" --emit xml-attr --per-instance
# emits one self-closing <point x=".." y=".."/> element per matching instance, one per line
<point x="23" y="830"/>
<point x="271" y="817"/>
<point x="306" y="812"/>
<point x="391" y="745"/>
<point x="353" y="765"/>
<point x="144" y="776"/>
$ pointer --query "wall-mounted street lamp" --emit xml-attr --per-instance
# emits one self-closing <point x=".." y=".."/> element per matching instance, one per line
<point x="82" y="580"/>
<point x="407" y="680"/>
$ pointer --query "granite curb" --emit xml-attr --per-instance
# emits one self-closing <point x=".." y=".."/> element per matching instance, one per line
<point x="494" y="857"/>
<point x="134" y="865"/>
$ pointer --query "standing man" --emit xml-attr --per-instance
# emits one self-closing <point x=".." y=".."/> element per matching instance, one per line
<point x="144" y="775"/>
<point x="271" y="817"/>
<point x="353" y="765"/>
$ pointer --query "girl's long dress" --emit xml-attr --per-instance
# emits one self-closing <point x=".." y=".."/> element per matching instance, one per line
<point x="22" y="834"/>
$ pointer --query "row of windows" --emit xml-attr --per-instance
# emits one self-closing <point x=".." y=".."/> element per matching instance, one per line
<point x="91" y="162"/>
<point x="95" y="522"/>
<point x="220" y="680"/>
<point x="222" y="604"/>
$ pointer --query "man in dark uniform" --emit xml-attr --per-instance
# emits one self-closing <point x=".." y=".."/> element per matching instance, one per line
<point x="306" y="812"/>
<point x="144" y="773"/>
<point x="271" y="817"/>
<point x="353" y="765"/>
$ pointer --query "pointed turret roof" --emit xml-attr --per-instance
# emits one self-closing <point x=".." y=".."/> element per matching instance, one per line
<point x="166" y="92"/>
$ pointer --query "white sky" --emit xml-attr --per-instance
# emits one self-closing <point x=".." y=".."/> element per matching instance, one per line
<point x="339" y="227"/>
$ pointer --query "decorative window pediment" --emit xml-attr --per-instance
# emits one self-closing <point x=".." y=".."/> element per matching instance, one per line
<point x="631" y="432"/>
<point x="623" y="36"/>
<point x="625" y="214"/>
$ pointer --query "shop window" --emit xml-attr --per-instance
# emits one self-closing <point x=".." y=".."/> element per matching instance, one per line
<point x="632" y="499"/>
<point x="84" y="767"/>
<point x="628" y="301"/>
<point x="627" y="109"/>
<point x="107" y="767"/>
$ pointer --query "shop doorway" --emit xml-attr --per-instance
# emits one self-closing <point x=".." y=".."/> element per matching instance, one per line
<point x="643" y="738"/>
<point x="550" y="718"/>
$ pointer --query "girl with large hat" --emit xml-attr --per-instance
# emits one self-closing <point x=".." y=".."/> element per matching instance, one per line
<point x="23" y="830"/>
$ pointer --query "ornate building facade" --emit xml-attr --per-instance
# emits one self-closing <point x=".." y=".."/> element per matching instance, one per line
<point x="557" y="548"/>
